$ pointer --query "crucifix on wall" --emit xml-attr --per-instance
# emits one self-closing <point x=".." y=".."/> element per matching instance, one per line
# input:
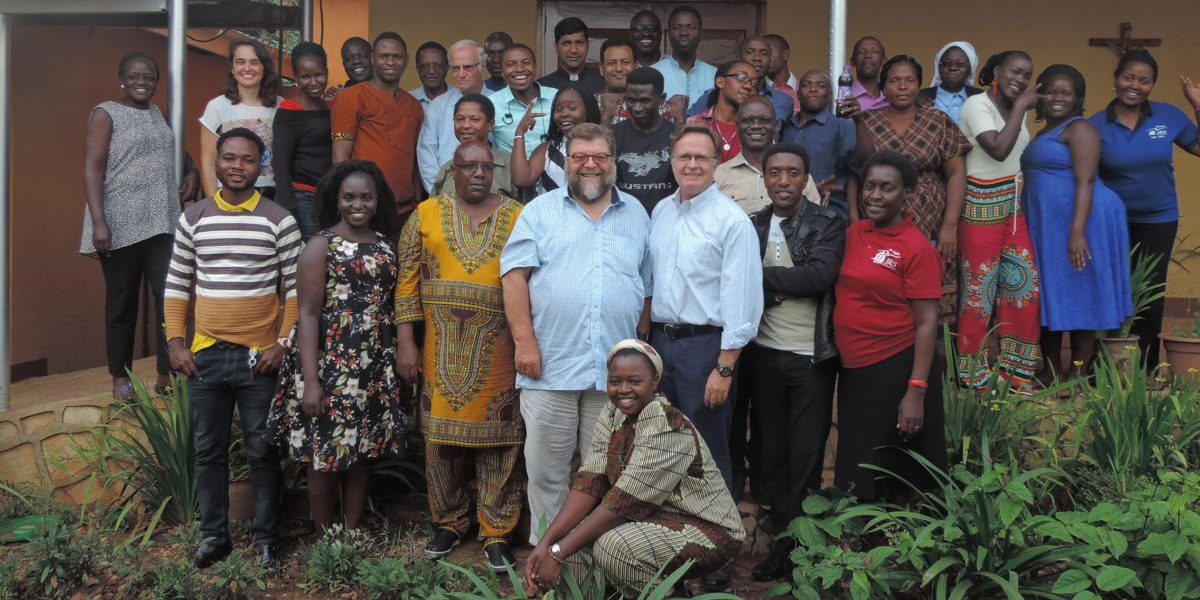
<point x="1125" y="43"/>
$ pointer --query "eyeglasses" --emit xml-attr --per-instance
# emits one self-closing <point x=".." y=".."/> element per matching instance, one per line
<point x="740" y="76"/>
<point x="464" y="68"/>
<point x="473" y="167"/>
<point x="687" y="159"/>
<point x="601" y="159"/>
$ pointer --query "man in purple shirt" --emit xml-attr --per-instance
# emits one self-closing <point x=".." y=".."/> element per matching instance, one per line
<point x="868" y="56"/>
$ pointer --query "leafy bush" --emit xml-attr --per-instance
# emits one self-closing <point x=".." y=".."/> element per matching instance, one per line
<point x="391" y="578"/>
<point x="146" y="445"/>
<point x="174" y="580"/>
<point x="234" y="578"/>
<point x="333" y="560"/>
<point x="12" y="573"/>
<point x="583" y="588"/>
<point x="61" y="560"/>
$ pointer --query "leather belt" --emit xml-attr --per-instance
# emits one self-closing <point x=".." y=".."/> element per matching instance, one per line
<point x="676" y="331"/>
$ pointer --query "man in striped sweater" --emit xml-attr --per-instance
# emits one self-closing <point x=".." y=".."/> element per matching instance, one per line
<point x="235" y="253"/>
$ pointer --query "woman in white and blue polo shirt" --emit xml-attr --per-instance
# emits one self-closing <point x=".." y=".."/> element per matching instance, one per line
<point x="1137" y="162"/>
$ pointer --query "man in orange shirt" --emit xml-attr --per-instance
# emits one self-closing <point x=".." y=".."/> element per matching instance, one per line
<point x="379" y="122"/>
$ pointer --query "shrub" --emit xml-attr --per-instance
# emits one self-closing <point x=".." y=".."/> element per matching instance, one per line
<point x="391" y="578"/>
<point x="174" y="580"/>
<point x="61" y="560"/>
<point x="333" y="560"/>
<point x="234" y="578"/>
<point x="12" y="573"/>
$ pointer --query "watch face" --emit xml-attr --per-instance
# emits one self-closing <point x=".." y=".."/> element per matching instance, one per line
<point x="724" y="370"/>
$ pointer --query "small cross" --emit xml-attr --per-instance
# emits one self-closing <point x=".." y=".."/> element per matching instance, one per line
<point x="1124" y="43"/>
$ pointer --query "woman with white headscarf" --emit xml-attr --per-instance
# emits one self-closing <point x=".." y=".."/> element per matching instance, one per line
<point x="956" y="64"/>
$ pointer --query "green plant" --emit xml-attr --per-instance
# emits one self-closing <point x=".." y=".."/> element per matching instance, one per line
<point x="391" y="578"/>
<point x="146" y="445"/>
<point x="1192" y="330"/>
<point x="12" y="573"/>
<point x="61" y="560"/>
<point x="588" y="587"/>
<point x="1142" y="288"/>
<point x="174" y="580"/>
<point x="234" y="578"/>
<point x="334" y="558"/>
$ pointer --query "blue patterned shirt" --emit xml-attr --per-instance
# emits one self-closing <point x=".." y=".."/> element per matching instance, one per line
<point x="588" y="285"/>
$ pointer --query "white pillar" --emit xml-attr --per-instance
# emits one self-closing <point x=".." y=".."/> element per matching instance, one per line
<point x="837" y="38"/>
<point x="6" y="27"/>
<point x="176" y="67"/>
<point x="306" y="29"/>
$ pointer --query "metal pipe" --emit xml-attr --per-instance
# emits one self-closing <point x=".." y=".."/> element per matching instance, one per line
<point x="306" y="27"/>
<point x="837" y="37"/>
<point x="176" y="67"/>
<point x="6" y="29"/>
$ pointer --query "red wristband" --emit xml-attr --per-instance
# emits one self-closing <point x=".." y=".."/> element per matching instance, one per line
<point x="917" y="383"/>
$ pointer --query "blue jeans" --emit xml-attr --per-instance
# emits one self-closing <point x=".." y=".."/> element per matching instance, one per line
<point x="304" y="213"/>
<point x="225" y="382"/>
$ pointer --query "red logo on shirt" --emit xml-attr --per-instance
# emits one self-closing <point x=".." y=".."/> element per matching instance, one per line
<point x="887" y="258"/>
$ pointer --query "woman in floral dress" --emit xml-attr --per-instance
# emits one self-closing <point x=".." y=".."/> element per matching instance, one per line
<point x="345" y="340"/>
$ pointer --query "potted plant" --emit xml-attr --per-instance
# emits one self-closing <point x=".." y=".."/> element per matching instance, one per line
<point x="1183" y="348"/>
<point x="1118" y="343"/>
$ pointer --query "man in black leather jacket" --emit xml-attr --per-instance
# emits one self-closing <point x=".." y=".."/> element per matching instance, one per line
<point x="792" y="364"/>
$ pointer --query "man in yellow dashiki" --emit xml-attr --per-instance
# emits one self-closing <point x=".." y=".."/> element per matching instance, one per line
<point x="450" y="278"/>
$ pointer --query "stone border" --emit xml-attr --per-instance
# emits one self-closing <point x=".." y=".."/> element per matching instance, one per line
<point x="37" y="442"/>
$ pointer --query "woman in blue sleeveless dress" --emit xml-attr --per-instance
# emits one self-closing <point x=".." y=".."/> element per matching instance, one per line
<point x="1077" y="225"/>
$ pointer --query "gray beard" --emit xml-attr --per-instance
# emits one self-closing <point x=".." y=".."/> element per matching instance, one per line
<point x="589" y="193"/>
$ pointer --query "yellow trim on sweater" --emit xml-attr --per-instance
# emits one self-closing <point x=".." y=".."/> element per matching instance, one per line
<point x="247" y="206"/>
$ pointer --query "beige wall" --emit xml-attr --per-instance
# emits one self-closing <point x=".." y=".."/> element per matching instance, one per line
<point x="59" y="74"/>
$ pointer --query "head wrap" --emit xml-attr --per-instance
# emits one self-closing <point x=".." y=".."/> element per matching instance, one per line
<point x="972" y="59"/>
<point x="642" y="348"/>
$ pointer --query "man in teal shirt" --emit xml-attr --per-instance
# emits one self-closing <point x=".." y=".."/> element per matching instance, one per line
<point x="522" y="95"/>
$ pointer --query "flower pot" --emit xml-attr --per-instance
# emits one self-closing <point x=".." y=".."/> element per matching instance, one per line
<point x="1121" y="350"/>
<point x="241" y="500"/>
<point x="1184" y="355"/>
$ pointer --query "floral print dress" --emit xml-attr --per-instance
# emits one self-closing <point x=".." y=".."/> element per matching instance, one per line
<point x="363" y="415"/>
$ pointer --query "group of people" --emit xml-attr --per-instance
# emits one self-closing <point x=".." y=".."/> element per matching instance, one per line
<point x="593" y="284"/>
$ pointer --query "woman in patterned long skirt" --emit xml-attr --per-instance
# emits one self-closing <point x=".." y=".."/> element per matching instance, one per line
<point x="346" y="282"/>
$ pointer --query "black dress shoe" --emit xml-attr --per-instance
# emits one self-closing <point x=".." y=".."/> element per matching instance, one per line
<point x="442" y="543"/>
<point x="499" y="557"/>
<point x="268" y="557"/>
<point x="209" y="554"/>
<point x="718" y="580"/>
<point x="777" y="564"/>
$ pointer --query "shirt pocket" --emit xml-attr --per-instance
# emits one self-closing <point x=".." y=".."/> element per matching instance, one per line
<point x="624" y="255"/>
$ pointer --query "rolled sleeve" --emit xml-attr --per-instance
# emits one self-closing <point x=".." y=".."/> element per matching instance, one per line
<point x="521" y="250"/>
<point x="741" y="286"/>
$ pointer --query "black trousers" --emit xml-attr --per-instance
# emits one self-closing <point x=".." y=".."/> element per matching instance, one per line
<point x="868" y="409"/>
<point x="1154" y="239"/>
<point x="124" y="269"/>
<point x="789" y="424"/>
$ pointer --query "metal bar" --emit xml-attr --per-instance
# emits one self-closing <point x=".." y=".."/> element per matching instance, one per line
<point x="837" y="38"/>
<point x="6" y="28"/>
<point x="306" y="27"/>
<point x="176" y="66"/>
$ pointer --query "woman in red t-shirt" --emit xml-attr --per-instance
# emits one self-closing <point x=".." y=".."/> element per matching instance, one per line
<point x="885" y="326"/>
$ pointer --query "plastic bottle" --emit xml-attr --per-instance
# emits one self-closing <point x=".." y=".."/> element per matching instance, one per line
<point x="845" y="82"/>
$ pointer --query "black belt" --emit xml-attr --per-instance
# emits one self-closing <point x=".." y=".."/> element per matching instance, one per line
<point x="676" y="331"/>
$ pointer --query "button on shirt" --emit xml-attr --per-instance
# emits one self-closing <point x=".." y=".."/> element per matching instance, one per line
<point x="510" y="111"/>
<point x="743" y="183"/>
<point x="951" y="103"/>
<point x="692" y="83"/>
<point x="829" y="142"/>
<point x="865" y="100"/>
<point x="1139" y="165"/>
<point x="707" y="267"/>
<point x="588" y="285"/>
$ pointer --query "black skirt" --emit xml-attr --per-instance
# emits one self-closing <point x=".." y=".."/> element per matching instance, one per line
<point x="868" y="408"/>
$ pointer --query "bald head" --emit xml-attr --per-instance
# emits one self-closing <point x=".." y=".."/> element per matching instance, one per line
<point x="756" y="51"/>
<point x="756" y="124"/>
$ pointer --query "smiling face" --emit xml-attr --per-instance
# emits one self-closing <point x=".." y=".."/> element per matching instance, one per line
<point x="615" y="66"/>
<point x="473" y="171"/>
<point x="757" y="52"/>
<point x="683" y="30"/>
<point x="1059" y="98"/>
<point x="756" y="124"/>
<point x="784" y="176"/>
<point x="590" y="172"/>
<point x="645" y="32"/>
<point x="356" y="61"/>
<point x="465" y="71"/>
<point x="737" y="84"/>
<point x="247" y="68"/>
<point x="432" y="68"/>
<point x="814" y="92"/>
<point x="471" y="124"/>
<point x="568" y="110"/>
<point x="357" y="200"/>
<point x="520" y="69"/>
<point x="693" y="161"/>
<point x="238" y="164"/>
<point x="631" y="383"/>
<point x="954" y="68"/>
<point x="1013" y="76"/>
<point x="901" y="86"/>
<point x="139" y="80"/>
<point x="883" y="193"/>
<point x="572" y="51"/>
<point x="868" y="57"/>
<point x="1134" y="84"/>
<point x="312" y="77"/>
<point x="390" y="59"/>
<point x="643" y="104"/>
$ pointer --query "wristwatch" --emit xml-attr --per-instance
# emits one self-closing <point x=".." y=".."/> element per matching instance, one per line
<point x="557" y="554"/>
<point x="724" y="370"/>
